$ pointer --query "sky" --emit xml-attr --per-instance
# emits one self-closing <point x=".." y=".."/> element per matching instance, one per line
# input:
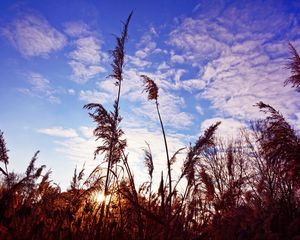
<point x="212" y="61"/>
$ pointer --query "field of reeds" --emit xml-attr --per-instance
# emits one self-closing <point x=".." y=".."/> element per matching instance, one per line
<point x="248" y="188"/>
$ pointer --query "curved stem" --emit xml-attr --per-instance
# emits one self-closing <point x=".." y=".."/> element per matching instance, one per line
<point x="167" y="153"/>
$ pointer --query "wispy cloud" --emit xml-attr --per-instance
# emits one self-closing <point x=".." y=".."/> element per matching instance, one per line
<point x="82" y="72"/>
<point x="38" y="82"/>
<point x="138" y="61"/>
<point x="146" y="48"/>
<point x="59" y="132"/>
<point x="33" y="36"/>
<point x="75" y="29"/>
<point x="229" y="128"/>
<point x="199" y="109"/>
<point x="86" y="57"/>
<point x="171" y="105"/>
<point x="194" y="38"/>
<point x="240" y="62"/>
<point x="71" y="91"/>
<point x="176" y="58"/>
<point x="80" y="149"/>
<point x="136" y="138"/>
<point x="87" y="50"/>
<point x="163" y="65"/>
<point x="171" y="108"/>
<point x="106" y="89"/>
<point x="75" y="145"/>
<point x="40" y="87"/>
<point x="94" y="96"/>
<point x="147" y="45"/>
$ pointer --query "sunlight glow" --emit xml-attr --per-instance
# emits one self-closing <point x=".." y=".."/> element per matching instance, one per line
<point x="99" y="198"/>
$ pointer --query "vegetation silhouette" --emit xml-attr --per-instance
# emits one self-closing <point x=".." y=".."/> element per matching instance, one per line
<point x="246" y="188"/>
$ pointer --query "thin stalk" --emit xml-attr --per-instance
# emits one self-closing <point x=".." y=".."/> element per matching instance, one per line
<point x="105" y="188"/>
<point x="117" y="65"/>
<point x="150" y="189"/>
<point x="6" y="169"/>
<point x="111" y="142"/>
<point x="168" y="159"/>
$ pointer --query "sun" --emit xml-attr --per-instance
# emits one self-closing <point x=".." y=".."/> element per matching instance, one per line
<point x="99" y="197"/>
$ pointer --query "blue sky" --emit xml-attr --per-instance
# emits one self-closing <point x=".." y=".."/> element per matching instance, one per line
<point x="212" y="60"/>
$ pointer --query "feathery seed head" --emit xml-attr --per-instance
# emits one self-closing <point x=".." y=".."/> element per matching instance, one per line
<point x="150" y="87"/>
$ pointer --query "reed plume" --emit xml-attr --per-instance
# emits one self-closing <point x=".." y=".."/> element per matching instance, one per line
<point x="3" y="154"/>
<point x="152" y="90"/>
<point x="294" y="66"/>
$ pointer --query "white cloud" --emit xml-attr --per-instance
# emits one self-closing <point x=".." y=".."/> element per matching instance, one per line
<point x="258" y="16"/>
<point x="87" y="50"/>
<point x="131" y="87"/>
<point x="33" y="36"/>
<point x="87" y="56"/>
<point x="146" y="43"/>
<point x="170" y="79"/>
<point x="177" y="59"/>
<point x="136" y="138"/>
<point x="71" y="91"/>
<point x="145" y="48"/>
<point x="82" y="73"/>
<point x="228" y="129"/>
<point x="80" y="150"/>
<point x="132" y="90"/>
<point x="163" y="65"/>
<point x="209" y="8"/>
<point x="170" y="107"/>
<point x="149" y="48"/>
<point x="199" y="109"/>
<point x="94" y="96"/>
<point x="243" y="62"/>
<point x="75" y="29"/>
<point x="140" y="54"/>
<point x="192" y="84"/>
<point x="40" y="87"/>
<point x="138" y="62"/>
<point x="296" y="122"/>
<point x="239" y="81"/>
<point x="54" y="99"/>
<point x="197" y="40"/>
<point x="87" y="132"/>
<point x="38" y="82"/>
<point x="59" y="132"/>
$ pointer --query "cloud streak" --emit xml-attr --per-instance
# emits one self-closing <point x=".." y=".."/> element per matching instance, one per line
<point x="59" y="132"/>
<point x="86" y="57"/>
<point x="240" y="62"/>
<point x="79" y="148"/>
<point x="40" y="87"/>
<point x="33" y="36"/>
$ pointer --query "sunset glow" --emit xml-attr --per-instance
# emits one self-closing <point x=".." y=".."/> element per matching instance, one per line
<point x="100" y="197"/>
